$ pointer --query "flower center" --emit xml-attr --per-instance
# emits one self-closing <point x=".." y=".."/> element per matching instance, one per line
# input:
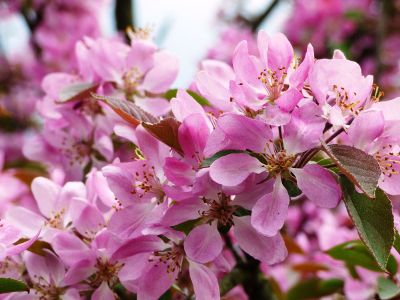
<point x="106" y="272"/>
<point x="273" y="82"/>
<point x="46" y="290"/>
<point x="131" y="80"/>
<point x="388" y="160"/>
<point x="77" y="152"/>
<point x="345" y="102"/>
<point x="147" y="182"/>
<point x="56" y="219"/>
<point x="220" y="210"/>
<point x="277" y="160"/>
<point x="8" y="264"/>
<point x="89" y="107"/>
<point x="172" y="257"/>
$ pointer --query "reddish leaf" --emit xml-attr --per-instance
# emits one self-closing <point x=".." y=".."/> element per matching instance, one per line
<point x="167" y="132"/>
<point x="127" y="110"/>
<point x="291" y="245"/>
<point x="359" y="167"/>
<point x="77" y="91"/>
<point x="309" y="267"/>
<point x="38" y="247"/>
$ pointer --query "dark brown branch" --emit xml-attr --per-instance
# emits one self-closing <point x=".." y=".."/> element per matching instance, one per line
<point x="124" y="15"/>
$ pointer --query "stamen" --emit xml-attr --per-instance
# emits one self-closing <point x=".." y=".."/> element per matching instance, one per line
<point x="219" y="210"/>
<point x="172" y="257"/>
<point x="388" y="161"/>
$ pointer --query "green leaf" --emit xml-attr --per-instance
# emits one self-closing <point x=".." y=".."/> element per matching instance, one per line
<point x="392" y="265"/>
<point x="8" y="285"/>
<point x="187" y="226"/>
<point x="314" y="288"/>
<point x="387" y="289"/>
<point x="230" y="280"/>
<point x="373" y="219"/>
<point x="291" y="188"/>
<point x="396" y="243"/>
<point x="208" y="161"/>
<point x="354" y="15"/>
<point x="77" y="91"/>
<point x="170" y="94"/>
<point x="354" y="253"/>
<point x="359" y="167"/>
<point x="166" y="131"/>
<point x="200" y="99"/>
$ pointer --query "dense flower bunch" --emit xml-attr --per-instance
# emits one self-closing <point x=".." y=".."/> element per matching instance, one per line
<point x="181" y="193"/>
<point x="365" y="30"/>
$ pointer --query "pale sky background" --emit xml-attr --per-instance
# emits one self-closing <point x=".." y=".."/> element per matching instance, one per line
<point x="187" y="28"/>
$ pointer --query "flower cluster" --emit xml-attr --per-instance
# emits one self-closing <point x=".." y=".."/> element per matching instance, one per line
<point x="160" y="192"/>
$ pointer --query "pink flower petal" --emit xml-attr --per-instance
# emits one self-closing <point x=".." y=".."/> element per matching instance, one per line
<point x="236" y="132"/>
<point x="155" y="282"/>
<point x="184" y="105"/>
<point x="204" y="243"/>
<point x="233" y="169"/>
<point x="163" y="74"/>
<point x="365" y="128"/>
<point x="243" y="65"/>
<point x="319" y="185"/>
<point x="103" y="292"/>
<point x="270" y="250"/>
<point x="46" y="193"/>
<point x="204" y="281"/>
<point x="269" y="213"/>
<point x="178" y="172"/>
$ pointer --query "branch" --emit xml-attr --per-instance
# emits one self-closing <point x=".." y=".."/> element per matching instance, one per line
<point x="124" y="15"/>
<point x="256" y="22"/>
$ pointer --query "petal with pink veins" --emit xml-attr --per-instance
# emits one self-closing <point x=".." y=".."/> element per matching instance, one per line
<point x="79" y="271"/>
<point x="128" y="222"/>
<point x="365" y="128"/>
<point x="155" y="282"/>
<point x="140" y="55"/>
<point x="270" y="250"/>
<point x="46" y="193"/>
<point x="300" y="75"/>
<point x="236" y="132"/>
<point x="142" y="244"/>
<point x="192" y="135"/>
<point x="269" y="213"/>
<point x="245" y="69"/>
<point x="179" y="172"/>
<point x="280" y="52"/>
<point x="87" y="219"/>
<point x="163" y="73"/>
<point x="288" y="100"/>
<point x="204" y="243"/>
<point x="319" y="185"/>
<point x="103" y="292"/>
<point x="70" y="248"/>
<point x="184" y="105"/>
<point x="304" y="130"/>
<point x="233" y="169"/>
<point x="204" y="281"/>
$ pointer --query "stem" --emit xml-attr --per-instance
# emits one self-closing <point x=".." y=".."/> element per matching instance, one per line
<point x="124" y="15"/>
<point x="335" y="134"/>
<point x="280" y="133"/>
<point x="255" y="284"/>
<point x="254" y="24"/>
